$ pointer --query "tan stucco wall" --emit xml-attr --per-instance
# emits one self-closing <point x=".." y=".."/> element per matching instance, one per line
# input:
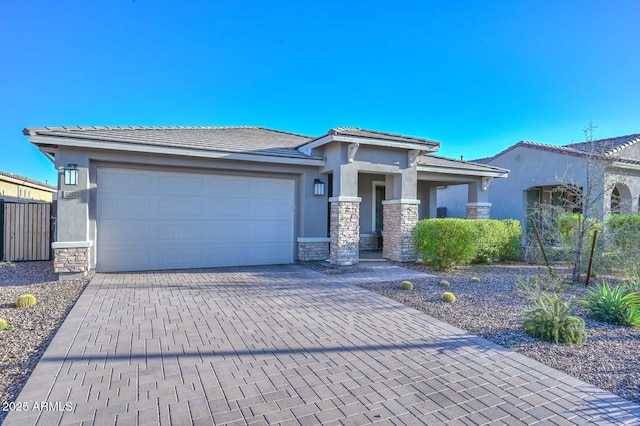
<point x="11" y="189"/>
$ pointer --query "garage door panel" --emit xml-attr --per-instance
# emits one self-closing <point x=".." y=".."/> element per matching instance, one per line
<point x="275" y="189"/>
<point x="136" y="182"/>
<point x="163" y="220"/>
<point x="180" y="207"/>
<point x="180" y="185"/>
<point x="230" y="207"/>
<point x="227" y="186"/>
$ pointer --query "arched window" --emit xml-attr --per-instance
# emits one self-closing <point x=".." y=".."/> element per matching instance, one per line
<point x="615" y="201"/>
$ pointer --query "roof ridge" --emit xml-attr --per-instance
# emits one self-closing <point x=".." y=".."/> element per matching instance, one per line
<point x="84" y="128"/>
<point x="335" y="130"/>
<point x="98" y="128"/>
<point x="26" y="179"/>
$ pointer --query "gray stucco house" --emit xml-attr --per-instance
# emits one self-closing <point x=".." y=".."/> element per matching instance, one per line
<point x="538" y="170"/>
<point x="149" y="198"/>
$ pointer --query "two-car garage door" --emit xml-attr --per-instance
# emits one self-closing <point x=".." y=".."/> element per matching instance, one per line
<point x="149" y="220"/>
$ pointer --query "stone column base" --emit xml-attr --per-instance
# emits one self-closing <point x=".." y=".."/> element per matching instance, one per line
<point x="478" y="210"/>
<point x="400" y="218"/>
<point x="344" y="230"/>
<point x="71" y="260"/>
<point x="310" y="249"/>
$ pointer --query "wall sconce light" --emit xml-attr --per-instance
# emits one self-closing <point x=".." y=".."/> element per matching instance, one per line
<point x="71" y="174"/>
<point x="318" y="187"/>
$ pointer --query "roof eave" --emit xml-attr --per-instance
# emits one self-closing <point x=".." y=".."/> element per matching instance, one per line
<point x="41" y="141"/>
<point x="498" y="173"/>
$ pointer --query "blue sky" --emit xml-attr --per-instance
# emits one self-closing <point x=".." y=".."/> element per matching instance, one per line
<point x="478" y="76"/>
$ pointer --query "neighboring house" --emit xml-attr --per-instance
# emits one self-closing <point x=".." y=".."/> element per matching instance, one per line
<point x="18" y="188"/>
<point x="147" y="198"/>
<point x="538" y="172"/>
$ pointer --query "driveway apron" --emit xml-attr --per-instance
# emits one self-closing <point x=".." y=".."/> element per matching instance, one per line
<point x="286" y="345"/>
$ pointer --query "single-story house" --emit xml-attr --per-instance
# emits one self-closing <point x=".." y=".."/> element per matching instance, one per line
<point x="21" y="189"/>
<point x="151" y="198"/>
<point x="540" y="172"/>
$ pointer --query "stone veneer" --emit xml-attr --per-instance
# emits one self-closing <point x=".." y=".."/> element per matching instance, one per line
<point x="400" y="218"/>
<point x="344" y="230"/>
<point x="368" y="242"/>
<point x="478" y="210"/>
<point x="310" y="249"/>
<point x="71" y="260"/>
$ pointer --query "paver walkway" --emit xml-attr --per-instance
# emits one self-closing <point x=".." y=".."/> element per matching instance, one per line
<point x="286" y="345"/>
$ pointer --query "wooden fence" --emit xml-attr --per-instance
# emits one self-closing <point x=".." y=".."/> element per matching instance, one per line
<point x="25" y="231"/>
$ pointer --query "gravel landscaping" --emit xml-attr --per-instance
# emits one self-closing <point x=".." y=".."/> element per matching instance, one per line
<point x="491" y="308"/>
<point x="33" y="328"/>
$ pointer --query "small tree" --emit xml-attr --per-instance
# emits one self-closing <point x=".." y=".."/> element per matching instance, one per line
<point x="570" y="222"/>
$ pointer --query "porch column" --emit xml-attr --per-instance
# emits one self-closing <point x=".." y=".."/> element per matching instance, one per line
<point x="72" y="249"/>
<point x="400" y="219"/>
<point x="344" y="230"/>
<point x="478" y="210"/>
<point x="479" y="206"/>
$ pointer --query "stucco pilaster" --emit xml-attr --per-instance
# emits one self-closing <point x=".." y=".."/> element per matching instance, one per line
<point x="344" y="230"/>
<point x="400" y="219"/>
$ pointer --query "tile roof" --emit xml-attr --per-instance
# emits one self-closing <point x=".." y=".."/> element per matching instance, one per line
<point x="235" y="139"/>
<point x="434" y="160"/>
<point x="608" y="146"/>
<point x="27" y="180"/>
<point x="355" y="131"/>
<point x="602" y="147"/>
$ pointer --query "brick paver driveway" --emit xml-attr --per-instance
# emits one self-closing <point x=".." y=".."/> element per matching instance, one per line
<point x="283" y="344"/>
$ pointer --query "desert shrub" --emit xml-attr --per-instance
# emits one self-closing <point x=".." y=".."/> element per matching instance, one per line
<point x="475" y="280"/>
<point x="569" y="226"/>
<point x="406" y="285"/>
<point x="445" y="283"/>
<point x="448" y="297"/>
<point x="3" y="324"/>
<point x="445" y="243"/>
<point x="550" y="319"/>
<point x="622" y="236"/>
<point x="614" y="305"/>
<point x="26" y="300"/>
<point x="632" y="281"/>
<point x="532" y="288"/>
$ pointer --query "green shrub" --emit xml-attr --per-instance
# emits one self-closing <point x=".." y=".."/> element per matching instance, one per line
<point x="550" y="319"/>
<point x="475" y="279"/>
<point x="406" y="285"/>
<point x="487" y="240"/>
<point x="445" y="283"/>
<point x="497" y="240"/>
<point x="448" y="297"/>
<point x="511" y="241"/>
<point x="445" y="243"/>
<point x="623" y="234"/>
<point x="3" y="324"/>
<point x="26" y="300"/>
<point x="614" y="304"/>
<point x="625" y="229"/>
<point x="568" y="226"/>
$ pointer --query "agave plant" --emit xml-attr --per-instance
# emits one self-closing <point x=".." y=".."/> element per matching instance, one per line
<point x="614" y="305"/>
<point x="550" y="319"/>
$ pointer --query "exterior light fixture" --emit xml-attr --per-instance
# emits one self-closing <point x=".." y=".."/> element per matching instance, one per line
<point x="318" y="187"/>
<point x="71" y="174"/>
